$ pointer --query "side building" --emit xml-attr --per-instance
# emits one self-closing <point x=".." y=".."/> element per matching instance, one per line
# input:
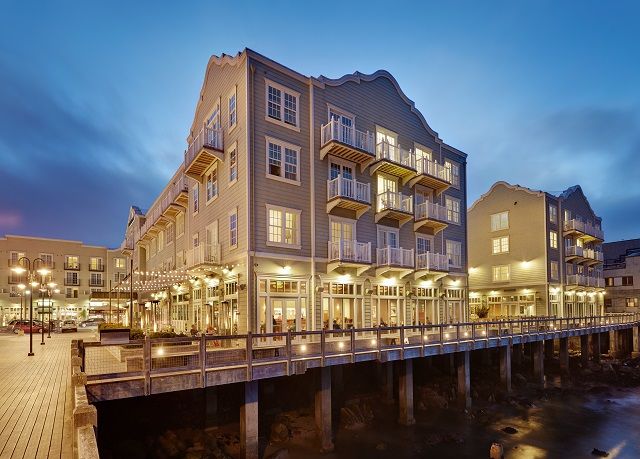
<point x="303" y="203"/>
<point x="622" y="275"/>
<point x="79" y="272"/>
<point x="534" y="254"/>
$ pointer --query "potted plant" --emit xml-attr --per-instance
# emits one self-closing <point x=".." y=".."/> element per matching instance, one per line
<point x="114" y="333"/>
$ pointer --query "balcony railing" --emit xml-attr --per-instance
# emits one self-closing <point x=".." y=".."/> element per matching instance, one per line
<point x="574" y="251"/>
<point x="585" y="281"/>
<point x="431" y="211"/>
<point x="348" y="188"/>
<point x="96" y="267"/>
<point x="96" y="283"/>
<point x="394" y="200"/>
<point x="348" y="135"/>
<point x="395" y="256"/>
<point x="428" y="167"/>
<point x="432" y="261"/>
<point x="74" y="282"/>
<point x="203" y="254"/>
<point x="207" y="137"/>
<point x="350" y="251"/>
<point x="593" y="255"/>
<point x="581" y="226"/>
<point x="396" y="154"/>
<point x="162" y="204"/>
<point x="72" y="266"/>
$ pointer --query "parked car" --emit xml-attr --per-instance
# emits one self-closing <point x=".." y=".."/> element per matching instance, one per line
<point x="68" y="325"/>
<point x="92" y="322"/>
<point x="24" y="326"/>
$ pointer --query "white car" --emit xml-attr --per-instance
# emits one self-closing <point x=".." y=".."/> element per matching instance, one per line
<point x="69" y="325"/>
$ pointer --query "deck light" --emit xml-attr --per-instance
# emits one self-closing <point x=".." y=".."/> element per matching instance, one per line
<point x="18" y="269"/>
<point x="426" y="338"/>
<point x="303" y="348"/>
<point x="43" y="271"/>
<point x="341" y="345"/>
<point x="374" y="342"/>
<point x="484" y="333"/>
<point x="160" y="351"/>
<point x="446" y="336"/>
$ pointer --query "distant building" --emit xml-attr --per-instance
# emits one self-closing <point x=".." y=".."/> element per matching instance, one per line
<point x="77" y="269"/>
<point x="535" y="254"/>
<point x="622" y="275"/>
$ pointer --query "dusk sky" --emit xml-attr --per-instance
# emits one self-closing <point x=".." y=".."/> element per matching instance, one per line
<point x="96" y="98"/>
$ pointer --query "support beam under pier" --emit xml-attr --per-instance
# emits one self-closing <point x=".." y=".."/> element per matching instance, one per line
<point x="405" y="392"/>
<point x="548" y="350"/>
<point x="564" y="355"/>
<point x="505" y="367"/>
<point x="323" y="409"/>
<point x="537" y="354"/>
<point x="463" y="369"/>
<point x="249" y="421"/>
<point x="584" y="349"/>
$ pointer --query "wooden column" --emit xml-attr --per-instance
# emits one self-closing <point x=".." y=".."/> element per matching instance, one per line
<point x="405" y="393"/>
<point x="548" y="350"/>
<point x="505" y="367"/>
<point x="636" y="339"/>
<point x="596" y="346"/>
<point x="517" y="354"/>
<point x="323" y="409"/>
<point x="564" y="355"/>
<point x="249" y="421"/>
<point x="537" y="351"/>
<point x="463" y="368"/>
<point x="584" y="349"/>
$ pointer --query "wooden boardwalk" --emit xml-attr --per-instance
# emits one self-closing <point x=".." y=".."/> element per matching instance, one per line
<point x="35" y="397"/>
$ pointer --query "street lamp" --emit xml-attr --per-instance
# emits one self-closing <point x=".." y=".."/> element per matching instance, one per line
<point x="49" y="290"/>
<point x="22" y="288"/>
<point x="31" y="276"/>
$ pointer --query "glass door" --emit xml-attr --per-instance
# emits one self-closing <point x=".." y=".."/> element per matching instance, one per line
<point x="387" y="189"/>
<point x="345" y="126"/>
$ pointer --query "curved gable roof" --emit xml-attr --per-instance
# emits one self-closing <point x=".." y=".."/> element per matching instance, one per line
<point x="358" y="77"/>
<point x="537" y="193"/>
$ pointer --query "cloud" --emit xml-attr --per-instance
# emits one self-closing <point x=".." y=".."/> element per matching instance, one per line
<point x="70" y="170"/>
<point x="595" y="147"/>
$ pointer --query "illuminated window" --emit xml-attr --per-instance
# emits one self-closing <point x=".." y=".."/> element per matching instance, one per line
<point x="453" y="209"/>
<point x="283" y="227"/>
<point x="553" y="213"/>
<point x="554" y="270"/>
<point x="233" y="229"/>
<point x="553" y="239"/>
<point x="233" y="165"/>
<point x="212" y="184"/>
<point x="501" y="273"/>
<point x="233" y="114"/>
<point x="454" y="251"/>
<point x="453" y="172"/>
<point x="196" y="198"/>
<point x="282" y="160"/>
<point x="500" y="245"/>
<point x="500" y="221"/>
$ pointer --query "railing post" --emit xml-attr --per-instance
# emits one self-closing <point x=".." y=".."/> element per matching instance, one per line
<point x="249" y="348"/>
<point x="421" y="340"/>
<point x="441" y="333"/>
<point x="353" y="345"/>
<point x="322" y="346"/>
<point x="203" y="360"/>
<point x="147" y="365"/>
<point x="378" y="342"/>
<point x="401" y="342"/>
<point x="288" y="350"/>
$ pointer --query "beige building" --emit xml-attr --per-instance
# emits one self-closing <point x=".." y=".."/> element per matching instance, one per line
<point x="303" y="203"/>
<point x="622" y="275"/>
<point x="535" y="254"/>
<point x="77" y="270"/>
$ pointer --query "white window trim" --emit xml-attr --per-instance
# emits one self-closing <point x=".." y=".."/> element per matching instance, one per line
<point x="459" y="222"/>
<point x="459" y="244"/>
<point x="282" y="209"/>
<point x="500" y="237"/>
<point x="457" y="164"/>
<point x="195" y="188"/>
<point x="206" y="175"/>
<point x="234" y="146"/>
<point x="341" y="162"/>
<point x="282" y="89"/>
<point x="387" y="229"/>
<point x="508" y="279"/>
<point x="387" y="132"/>
<point x="284" y="145"/>
<point x="419" y="146"/>
<point x="551" y="240"/>
<point x="426" y="236"/>
<point x="350" y="221"/>
<point x="341" y="112"/>
<point x="233" y="92"/>
<point x="230" y="213"/>
<point x="183" y="225"/>
<point x="500" y="229"/>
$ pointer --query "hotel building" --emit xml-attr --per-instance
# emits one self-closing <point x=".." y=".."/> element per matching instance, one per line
<point x="302" y="203"/>
<point x="79" y="271"/>
<point x="622" y="275"/>
<point x="535" y="254"/>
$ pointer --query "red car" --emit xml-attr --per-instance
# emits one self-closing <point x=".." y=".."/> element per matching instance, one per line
<point x="24" y="326"/>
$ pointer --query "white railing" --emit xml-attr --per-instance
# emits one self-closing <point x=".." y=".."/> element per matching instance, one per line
<point x="574" y="251"/>
<point x="576" y="279"/>
<point x="396" y="154"/>
<point x="204" y="253"/>
<point x="336" y="131"/>
<point x="394" y="200"/>
<point x="430" y="210"/>
<point x="394" y="256"/>
<point x="426" y="166"/>
<point x="169" y="197"/>
<point x="348" y="188"/>
<point x="432" y="261"/>
<point x="593" y="254"/>
<point x="583" y="227"/>
<point x="354" y="251"/>
<point x="455" y="261"/>
<point x="207" y="137"/>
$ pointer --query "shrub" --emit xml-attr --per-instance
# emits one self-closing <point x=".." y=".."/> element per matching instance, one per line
<point x="105" y="325"/>
<point x="483" y="311"/>
<point x="136" y="333"/>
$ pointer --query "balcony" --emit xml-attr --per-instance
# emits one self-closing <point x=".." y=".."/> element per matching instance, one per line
<point x="348" y="143"/>
<point x="394" y="205"/>
<point x="348" y="194"/>
<point x="432" y="175"/>
<point x="436" y="264"/>
<point x="95" y="283"/>
<point x="203" y="255"/>
<point x="205" y="149"/>
<point x="394" y="260"/>
<point x="72" y="266"/>
<point x="394" y="160"/>
<point x="71" y="282"/>
<point x="593" y="257"/>
<point x="574" y="252"/>
<point x="430" y="215"/>
<point x="584" y="230"/>
<point x="574" y="280"/>
<point x="349" y="254"/>
<point x="96" y="267"/>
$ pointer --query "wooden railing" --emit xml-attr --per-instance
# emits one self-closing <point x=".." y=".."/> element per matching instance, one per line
<point x="348" y="188"/>
<point x="348" y="135"/>
<point x="256" y="356"/>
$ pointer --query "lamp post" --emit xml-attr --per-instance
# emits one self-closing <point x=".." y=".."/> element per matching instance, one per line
<point x="51" y="290"/>
<point x="31" y="272"/>
<point x="22" y="288"/>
